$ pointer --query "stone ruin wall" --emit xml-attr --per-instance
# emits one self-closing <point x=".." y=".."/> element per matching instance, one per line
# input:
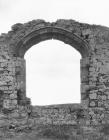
<point x="92" y="41"/>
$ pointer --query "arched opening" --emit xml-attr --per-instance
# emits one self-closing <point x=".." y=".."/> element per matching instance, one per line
<point x="53" y="73"/>
<point x="24" y="42"/>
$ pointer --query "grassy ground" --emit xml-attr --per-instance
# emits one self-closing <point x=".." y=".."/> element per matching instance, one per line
<point x="58" y="132"/>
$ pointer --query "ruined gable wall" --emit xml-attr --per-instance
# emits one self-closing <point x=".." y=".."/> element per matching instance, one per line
<point x="16" y="109"/>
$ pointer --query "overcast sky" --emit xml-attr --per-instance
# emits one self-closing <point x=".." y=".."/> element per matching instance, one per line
<point x="52" y="67"/>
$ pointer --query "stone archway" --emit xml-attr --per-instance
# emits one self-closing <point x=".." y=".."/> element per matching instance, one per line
<point x="51" y="32"/>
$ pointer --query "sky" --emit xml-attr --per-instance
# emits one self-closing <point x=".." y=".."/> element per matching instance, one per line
<point x="52" y="67"/>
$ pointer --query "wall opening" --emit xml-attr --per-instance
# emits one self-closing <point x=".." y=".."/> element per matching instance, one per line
<point x="53" y="73"/>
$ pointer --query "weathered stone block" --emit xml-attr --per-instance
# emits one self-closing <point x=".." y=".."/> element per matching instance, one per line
<point x="93" y="96"/>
